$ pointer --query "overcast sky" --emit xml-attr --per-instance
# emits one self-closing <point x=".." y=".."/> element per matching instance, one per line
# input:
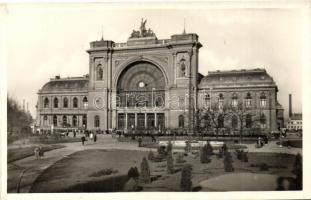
<point x="47" y="40"/>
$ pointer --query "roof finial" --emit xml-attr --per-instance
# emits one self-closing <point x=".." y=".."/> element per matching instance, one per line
<point x="184" y="26"/>
<point x="102" y="33"/>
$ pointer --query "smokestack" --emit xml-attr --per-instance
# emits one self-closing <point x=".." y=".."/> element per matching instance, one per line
<point x="23" y="104"/>
<point x="290" y="106"/>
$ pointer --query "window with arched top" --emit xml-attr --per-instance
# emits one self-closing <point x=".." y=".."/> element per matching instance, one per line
<point x="65" y="102"/>
<point x="221" y="101"/>
<point x="262" y="100"/>
<point x="263" y="121"/>
<point x="74" y="120"/>
<point x="207" y="99"/>
<point x="234" y="100"/>
<point x="99" y="72"/>
<point x="45" y="120"/>
<point x="55" y="102"/>
<point x="75" y="102"/>
<point x="85" y="102"/>
<point x="248" y="121"/>
<point x="234" y="122"/>
<point x="64" y="120"/>
<point x="55" y="120"/>
<point x="96" y="121"/>
<point x="220" y="121"/>
<point x="46" y="102"/>
<point x="181" y="121"/>
<point x="248" y="100"/>
<point x="84" y="121"/>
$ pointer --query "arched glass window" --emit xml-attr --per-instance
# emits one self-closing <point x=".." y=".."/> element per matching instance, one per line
<point x="181" y="121"/>
<point x="220" y="121"/>
<point x="75" y="102"/>
<point x="74" y="120"/>
<point x="45" y="120"/>
<point x="65" y="102"/>
<point x="96" y="121"/>
<point x="263" y="100"/>
<point x="221" y="101"/>
<point x="248" y="100"/>
<point x="85" y="102"/>
<point x="99" y="72"/>
<point x="55" y="102"/>
<point x="234" y="100"/>
<point x="46" y="102"/>
<point x="248" y="121"/>
<point x="64" y="120"/>
<point x="263" y="121"/>
<point x="55" y="120"/>
<point x="234" y="121"/>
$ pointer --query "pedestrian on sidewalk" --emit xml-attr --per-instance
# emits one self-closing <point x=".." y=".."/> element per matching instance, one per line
<point x="36" y="152"/>
<point x="95" y="137"/>
<point x="83" y="140"/>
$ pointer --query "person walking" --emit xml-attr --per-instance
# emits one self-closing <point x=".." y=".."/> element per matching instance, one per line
<point x="95" y="137"/>
<point x="36" y="152"/>
<point x="83" y="140"/>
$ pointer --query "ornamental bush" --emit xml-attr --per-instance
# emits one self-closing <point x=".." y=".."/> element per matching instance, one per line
<point x="228" y="167"/>
<point x="186" y="176"/>
<point x="150" y="155"/>
<point x="133" y="173"/>
<point x="144" y="171"/>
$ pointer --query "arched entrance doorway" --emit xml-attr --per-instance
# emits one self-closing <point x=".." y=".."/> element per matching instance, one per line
<point x="140" y="97"/>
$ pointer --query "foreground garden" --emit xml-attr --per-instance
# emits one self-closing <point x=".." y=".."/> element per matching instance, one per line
<point x="229" y="168"/>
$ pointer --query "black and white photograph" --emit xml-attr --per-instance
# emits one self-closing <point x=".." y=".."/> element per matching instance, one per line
<point x="169" y="98"/>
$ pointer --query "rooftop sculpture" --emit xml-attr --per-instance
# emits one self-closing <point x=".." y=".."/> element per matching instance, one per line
<point x="142" y="32"/>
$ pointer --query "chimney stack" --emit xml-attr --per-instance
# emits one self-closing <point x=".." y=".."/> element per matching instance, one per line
<point x="290" y="106"/>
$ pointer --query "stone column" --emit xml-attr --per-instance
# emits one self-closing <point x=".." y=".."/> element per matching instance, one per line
<point x="145" y="120"/>
<point x="135" y="120"/>
<point x="126" y="120"/>
<point x="155" y="120"/>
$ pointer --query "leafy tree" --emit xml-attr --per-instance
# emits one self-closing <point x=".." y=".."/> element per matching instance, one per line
<point x="186" y="176"/>
<point x="145" y="171"/>
<point x="18" y="120"/>
<point x="205" y="152"/>
<point x="297" y="170"/>
<point x="170" y="164"/>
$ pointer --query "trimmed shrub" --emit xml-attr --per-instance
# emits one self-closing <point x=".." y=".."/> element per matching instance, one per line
<point x="150" y="155"/>
<point x="186" y="175"/>
<point x="170" y="164"/>
<point x="104" y="172"/>
<point x="133" y="173"/>
<point x="205" y="154"/>
<point x="144" y="171"/>
<point x="228" y="167"/>
<point x="161" y="150"/>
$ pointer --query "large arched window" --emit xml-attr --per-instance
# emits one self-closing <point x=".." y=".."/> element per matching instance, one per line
<point x="181" y="121"/>
<point x="96" y="121"/>
<point x="99" y="72"/>
<point x="263" y="121"/>
<point x="64" y="120"/>
<point x="263" y="100"/>
<point x="248" y="121"/>
<point x="207" y="100"/>
<point x="46" y="102"/>
<point x="55" y="120"/>
<point x="74" y="120"/>
<point x="55" y="102"/>
<point x="65" y="102"/>
<point x="234" y="122"/>
<point x="75" y="102"/>
<point x="85" y="102"/>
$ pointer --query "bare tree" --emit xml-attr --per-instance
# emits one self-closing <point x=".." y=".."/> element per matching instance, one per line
<point x="213" y="117"/>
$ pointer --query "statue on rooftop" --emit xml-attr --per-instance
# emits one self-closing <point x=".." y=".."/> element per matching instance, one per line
<point x="143" y="32"/>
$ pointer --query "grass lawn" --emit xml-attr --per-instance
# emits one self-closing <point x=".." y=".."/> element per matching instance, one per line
<point x="20" y="153"/>
<point x="76" y="171"/>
